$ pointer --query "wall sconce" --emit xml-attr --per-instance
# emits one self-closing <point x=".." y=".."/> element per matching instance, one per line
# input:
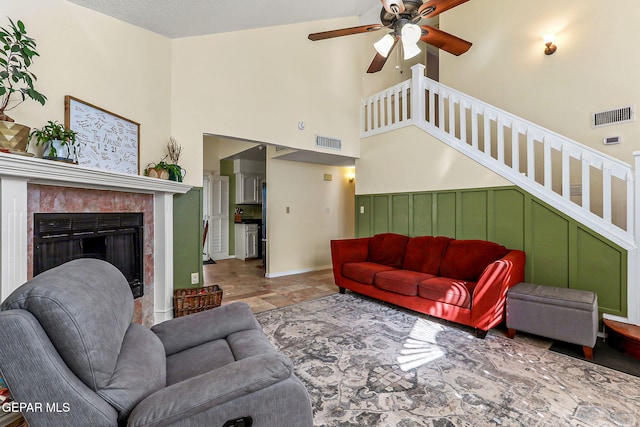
<point x="351" y="175"/>
<point x="548" y="42"/>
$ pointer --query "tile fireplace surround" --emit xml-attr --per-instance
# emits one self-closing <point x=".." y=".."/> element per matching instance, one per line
<point x="29" y="185"/>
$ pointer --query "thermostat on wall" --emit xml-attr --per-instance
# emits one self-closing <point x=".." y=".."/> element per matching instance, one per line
<point x="612" y="140"/>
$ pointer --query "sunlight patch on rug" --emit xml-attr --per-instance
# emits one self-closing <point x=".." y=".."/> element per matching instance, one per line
<point x="421" y="346"/>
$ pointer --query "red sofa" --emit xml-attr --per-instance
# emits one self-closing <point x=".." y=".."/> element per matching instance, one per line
<point x="465" y="281"/>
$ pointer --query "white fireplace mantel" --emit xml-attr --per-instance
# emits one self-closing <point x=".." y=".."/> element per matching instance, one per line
<point x="17" y="171"/>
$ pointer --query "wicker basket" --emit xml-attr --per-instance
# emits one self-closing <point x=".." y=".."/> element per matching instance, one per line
<point x="194" y="300"/>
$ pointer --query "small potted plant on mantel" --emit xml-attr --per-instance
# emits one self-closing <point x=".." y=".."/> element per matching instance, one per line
<point x="164" y="170"/>
<point x="59" y="143"/>
<point x="16" y="55"/>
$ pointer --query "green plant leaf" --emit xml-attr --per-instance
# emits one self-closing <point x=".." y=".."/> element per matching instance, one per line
<point x="16" y="55"/>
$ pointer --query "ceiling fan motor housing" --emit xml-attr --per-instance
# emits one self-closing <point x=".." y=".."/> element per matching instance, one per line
<point x="410" y="11"/>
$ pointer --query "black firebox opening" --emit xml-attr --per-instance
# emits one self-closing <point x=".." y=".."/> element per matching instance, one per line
<point x="117" y="238"/>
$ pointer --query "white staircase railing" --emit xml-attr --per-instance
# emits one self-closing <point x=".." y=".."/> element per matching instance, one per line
<point x="592" y="187"/>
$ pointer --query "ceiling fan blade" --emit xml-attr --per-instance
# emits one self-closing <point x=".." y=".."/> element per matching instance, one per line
<point x="445" y="41"/>
<point x="344" y="32"/>
<point x="432" y="8"/>
<point x="377" y="63"/>
<point x="389" y="6"/>
<point x="379" y="60"/>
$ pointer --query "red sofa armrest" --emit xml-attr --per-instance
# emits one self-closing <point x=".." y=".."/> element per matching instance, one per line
<point x="347" y="250"/>
<point x="490" y="294"/>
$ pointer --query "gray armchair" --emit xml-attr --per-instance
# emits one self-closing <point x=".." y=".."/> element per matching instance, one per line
<point x="67" y="343"/>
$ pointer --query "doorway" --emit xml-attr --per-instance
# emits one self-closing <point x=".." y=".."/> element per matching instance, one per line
<point x="215" y="217"/>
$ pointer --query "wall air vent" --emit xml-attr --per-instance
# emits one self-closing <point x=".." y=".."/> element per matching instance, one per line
<point x="612" y="117"/>
<point x="326" y="142"/>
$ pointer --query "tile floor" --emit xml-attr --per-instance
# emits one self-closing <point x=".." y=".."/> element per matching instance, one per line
<point x="245" y="281"/>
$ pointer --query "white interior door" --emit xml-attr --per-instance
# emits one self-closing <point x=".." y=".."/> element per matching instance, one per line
<point x="218" y="235"/>
<point x="206" y="205"/>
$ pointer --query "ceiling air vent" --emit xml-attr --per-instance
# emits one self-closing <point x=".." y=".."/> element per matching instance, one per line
<point x="612" y="117"/>
<point x="326" y="142"/>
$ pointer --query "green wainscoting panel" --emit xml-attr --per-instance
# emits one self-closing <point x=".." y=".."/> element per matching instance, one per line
<point x="473" y="214"/>
<point x="506" y="220"/>
<point x="363" y="216"/>
<point x="187" y="237"/>
<point x="599" y="267"/>
<point x="446" y="214"/>
<point x="400" y="214"/>
<point x="380" y="214"/>
<point x="548" y="248"/>
<point x="421" y="221"/>
<point x="560" y="251"/>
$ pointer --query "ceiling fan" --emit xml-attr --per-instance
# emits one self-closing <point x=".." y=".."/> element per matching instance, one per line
<point x="402" y="17"/>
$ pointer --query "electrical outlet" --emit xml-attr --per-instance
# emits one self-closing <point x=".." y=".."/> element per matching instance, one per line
<point x="195" y="278"/>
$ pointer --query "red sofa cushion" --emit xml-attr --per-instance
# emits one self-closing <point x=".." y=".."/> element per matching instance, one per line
<point x="467" y="259"/>
<point x="450" y="291"/>
<point x="425" y="254"/>
<point x="363" y="272"/>
<point x="403" y="282"/>
<point x="387" y="249"/>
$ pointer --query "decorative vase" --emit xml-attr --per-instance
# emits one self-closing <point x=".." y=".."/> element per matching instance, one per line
<point x="176" y="174"/>
<point x="14" y="137"/>
<point x="56" y="150"/>
<point x="157" y="173"/>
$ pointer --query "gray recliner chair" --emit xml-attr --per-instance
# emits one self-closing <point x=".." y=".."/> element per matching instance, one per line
<point x="67" y="343"/>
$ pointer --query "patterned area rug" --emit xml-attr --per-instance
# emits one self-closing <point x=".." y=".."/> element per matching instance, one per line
<point x="366" y="363"/>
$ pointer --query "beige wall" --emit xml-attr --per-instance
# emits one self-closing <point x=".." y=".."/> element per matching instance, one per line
<point x="100" y="60"/>
<point x="256" y="85"/>
<point x="412" y="160"/>
<point x="319" y="211"/>
<point x="210" y="155"/>
<point x="595" y="67"/>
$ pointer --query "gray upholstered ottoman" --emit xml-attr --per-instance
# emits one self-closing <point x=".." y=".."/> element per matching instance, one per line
<point x="562" y="314"/>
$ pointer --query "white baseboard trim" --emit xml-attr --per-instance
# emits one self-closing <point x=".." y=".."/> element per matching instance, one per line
<point x="292" y="272"/>
<point x="616" y="318"/>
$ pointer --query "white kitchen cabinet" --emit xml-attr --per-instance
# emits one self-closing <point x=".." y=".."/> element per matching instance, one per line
<point x="246" y="241"/>
<point x="249" y="188"/>
<point x="251" y="241"/>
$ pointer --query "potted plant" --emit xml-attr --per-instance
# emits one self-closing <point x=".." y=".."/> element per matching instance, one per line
<point x="59" y="143"/>
<point x="176" y="173"/>
<point x="16" y="55"/>
<point x="157" y="170"/>
<point x="164" y="170"/>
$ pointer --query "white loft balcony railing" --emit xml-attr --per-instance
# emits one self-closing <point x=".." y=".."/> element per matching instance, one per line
<point x="592" y="187"/>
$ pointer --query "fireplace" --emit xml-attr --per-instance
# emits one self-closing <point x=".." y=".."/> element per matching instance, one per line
<point x="29" y="185"/>
<point x="117" y="238"/>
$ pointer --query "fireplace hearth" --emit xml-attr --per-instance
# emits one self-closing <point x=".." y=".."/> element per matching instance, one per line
<point x="117" y="238"/>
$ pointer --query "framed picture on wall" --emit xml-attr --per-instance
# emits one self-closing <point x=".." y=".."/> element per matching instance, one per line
<point x="106" y="140"/>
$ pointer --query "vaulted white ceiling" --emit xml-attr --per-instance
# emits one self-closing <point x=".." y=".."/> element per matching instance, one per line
<point x="185" y="18"/>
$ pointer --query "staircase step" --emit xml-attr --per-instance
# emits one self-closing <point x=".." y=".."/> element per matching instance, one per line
<point x="624" y="337"/>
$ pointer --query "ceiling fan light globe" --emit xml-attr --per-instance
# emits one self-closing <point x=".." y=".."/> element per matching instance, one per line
<point x="411" y="33"/>
<point x="384" y="45"/>
<point x="410" y="50"/>
<point x="393" y="6"/>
